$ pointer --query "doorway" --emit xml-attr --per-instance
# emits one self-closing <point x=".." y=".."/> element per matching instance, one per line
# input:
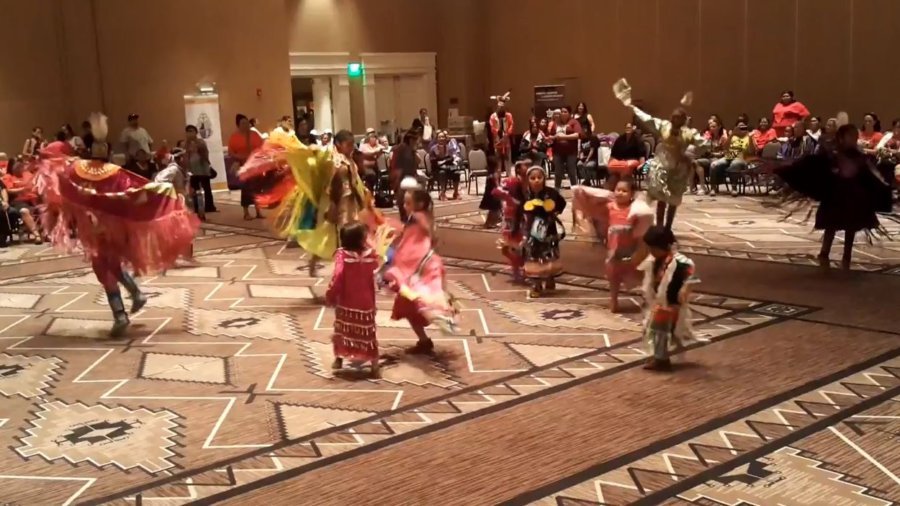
<point x="303" y="104"/>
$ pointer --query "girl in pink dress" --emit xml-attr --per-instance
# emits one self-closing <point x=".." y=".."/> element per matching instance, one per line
<point x="352" y="295"/>
<point x="416" y="274"/>
<point x="622" y="221"/>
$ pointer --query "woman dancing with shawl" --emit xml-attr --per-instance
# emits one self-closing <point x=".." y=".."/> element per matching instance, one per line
<point x="119" y="218"/>
<point x="541" y="208"/>
<point x="416" y="273"/>
<point x="671" y="168"/>
<point x="847" y="187"/>
<point x="620" y="221"/>
<point x="315" y="194"/>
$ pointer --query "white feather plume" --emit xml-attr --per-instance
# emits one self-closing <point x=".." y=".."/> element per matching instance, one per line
<point x="843" y="118"/>
<point x="687" y="99"/>
<point x="99" y="126"/>
<point x="409" y="183"/>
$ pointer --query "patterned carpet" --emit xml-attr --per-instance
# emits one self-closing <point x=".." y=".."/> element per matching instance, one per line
<point x="743" y="228"/>
<point x="222" y="390"/>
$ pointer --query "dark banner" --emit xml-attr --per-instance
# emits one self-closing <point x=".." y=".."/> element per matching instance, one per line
<point x="551" y="96"/>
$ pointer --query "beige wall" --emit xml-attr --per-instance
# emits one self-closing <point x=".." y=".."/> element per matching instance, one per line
<point x="736" y="55"/>
<point x="151" y="53"/>
<point x="400" y="26"/>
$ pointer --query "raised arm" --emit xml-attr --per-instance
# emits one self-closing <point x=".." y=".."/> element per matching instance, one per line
<point x="656" y="123"/>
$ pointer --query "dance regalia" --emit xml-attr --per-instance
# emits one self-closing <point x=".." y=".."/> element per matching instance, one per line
<point x="119" y="219"/>
<point x="299" y="181"/>
<point x="667" y="318"/>
<point x="416" y="272"/>
<point x="542" y="235"/>
<point x="670" y="168"/>
<point x="621" y="228"/>
<point x="846" y="186"/>
<point x="352" y="293"/>
<point x="510" y="242"/>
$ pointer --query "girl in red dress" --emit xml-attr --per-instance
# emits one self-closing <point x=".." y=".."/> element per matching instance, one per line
<point x="510" y="242"/>
<point x="352" y="295"/>
<point x="621" y="221"/>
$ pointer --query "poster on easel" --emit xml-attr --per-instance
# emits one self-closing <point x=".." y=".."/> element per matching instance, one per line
<point x="202" y="111"/>
<point x="548" y="97"/>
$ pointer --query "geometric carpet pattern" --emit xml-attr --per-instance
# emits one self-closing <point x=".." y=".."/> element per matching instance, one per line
<point x="767" y="456"/>
<point x="229" y="362"/>
<point x="222" y="390"/>
<point x="742" y="228"/>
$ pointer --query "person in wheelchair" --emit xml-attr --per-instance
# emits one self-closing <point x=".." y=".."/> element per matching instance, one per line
<point x="445" y="159"/>
<point x="21" y="200"/>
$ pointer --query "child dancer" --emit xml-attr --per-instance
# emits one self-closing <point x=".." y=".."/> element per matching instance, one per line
<point x="491" y="202"/>
<point x="541" y="208"/>
<point x="622" y="222"/>
<point x="512" y="196"/>
<point x="352" y="295"/>
<point x="416" y="273"/>
<point x="848" y="188"/>
<point x="668" y="277"/>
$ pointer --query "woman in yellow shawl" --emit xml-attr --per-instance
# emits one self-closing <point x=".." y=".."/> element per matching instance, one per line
<point x="316" y="192"/>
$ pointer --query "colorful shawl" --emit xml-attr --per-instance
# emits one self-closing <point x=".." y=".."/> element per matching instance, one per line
<point x="113" y="211"/>
<point x="296" y="179"/>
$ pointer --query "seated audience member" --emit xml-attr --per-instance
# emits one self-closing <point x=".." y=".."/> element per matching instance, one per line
<point x="740" y="148"/>
<point x="870" y="134"/>
<point x="589" y="161"/>
<point x="22" y="198"/>
<point x="7" y="216"/>
<point x="813" y="134"/>
<point x="534" y="144"/>
<point x="888" y="155"/>
<point x="628" y="152"/>
<point x="404" y="163"/>
<point x="385" y="143"/>
<point x="34" y="143"/>
<point x="763" y="134"/>
<point x="445" y="158"/>
<point x="370" y="150"/>
<point x="141" y="164"/>
<point x="718" y="140"/>
<point x="828" y="139"/>
<point x="787" y="112"/>
<point x="326" y="141"/>
<point x="793" y="146"/>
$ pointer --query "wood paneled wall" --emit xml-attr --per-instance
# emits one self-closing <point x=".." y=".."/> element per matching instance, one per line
<point x="736" y="55"/>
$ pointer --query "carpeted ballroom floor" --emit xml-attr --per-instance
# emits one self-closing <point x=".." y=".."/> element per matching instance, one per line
<point x="222" y="391"/>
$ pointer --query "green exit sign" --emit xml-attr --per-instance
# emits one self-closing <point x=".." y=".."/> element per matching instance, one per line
<point x="354" y="69"/>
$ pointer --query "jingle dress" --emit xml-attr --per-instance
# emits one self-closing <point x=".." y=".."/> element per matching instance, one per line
<point x="352" y="293"/>
<point x="622" y="228"/>
<point x="510" y="242"/>
<point x="541" y="210"/>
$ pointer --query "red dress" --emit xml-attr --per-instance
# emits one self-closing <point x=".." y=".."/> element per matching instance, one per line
<point x="510" y="191"/>
<point x="622" y="244"/>
<point x="787" y="115"/>
<point x="115" y="213"/>
<point x="352" y="294"/>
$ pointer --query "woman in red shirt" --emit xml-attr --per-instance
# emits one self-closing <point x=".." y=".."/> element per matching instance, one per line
<point x="243" y="142"/>
<point x="763" y="134"/>
<point x="870" y="134"/>
<point x="788" y="112"/>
